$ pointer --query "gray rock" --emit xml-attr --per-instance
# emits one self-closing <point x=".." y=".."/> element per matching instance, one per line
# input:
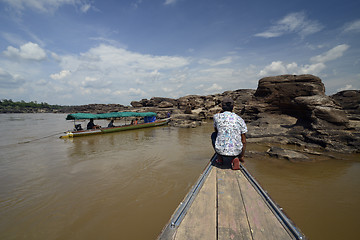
<point x="287" y="154"/>
<point x="350" y="101"/>
<point x="165" y="104"/>
<point x="321" y="111"/>
<point x="136" y="104"/>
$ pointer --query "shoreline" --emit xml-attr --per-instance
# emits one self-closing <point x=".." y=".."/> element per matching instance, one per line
<point x="286" y="109"/>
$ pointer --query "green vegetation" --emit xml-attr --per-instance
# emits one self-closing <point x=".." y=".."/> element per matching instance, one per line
<point x="9" y="106"/>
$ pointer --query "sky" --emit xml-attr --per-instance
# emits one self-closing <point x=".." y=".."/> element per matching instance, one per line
<point x="74" y="52"/>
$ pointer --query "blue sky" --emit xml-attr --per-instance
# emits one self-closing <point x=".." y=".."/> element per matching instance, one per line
<point x="74" y="52"/>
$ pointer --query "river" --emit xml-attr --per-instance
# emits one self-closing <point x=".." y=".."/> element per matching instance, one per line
<point x="126" y="185"/>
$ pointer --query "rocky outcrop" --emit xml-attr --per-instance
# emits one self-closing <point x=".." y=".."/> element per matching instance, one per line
<point x="295" y="110"/>
<point x="191" y="110"/>
<point x="301" y="96"/>
<point x="286" y="109"/>
<point x="281" y="90"/>
<point x="321" y="112"/>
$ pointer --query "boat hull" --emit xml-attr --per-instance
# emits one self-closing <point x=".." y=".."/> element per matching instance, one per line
<point x="72" y="134"/>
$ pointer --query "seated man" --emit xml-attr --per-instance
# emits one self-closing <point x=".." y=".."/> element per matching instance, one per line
<point x="111" y="123"/>
<point x="78" y="127"/>
<point x="229" y="138"/>
<point x="91" y="125"/>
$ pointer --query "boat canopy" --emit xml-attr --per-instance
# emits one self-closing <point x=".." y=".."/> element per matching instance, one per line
<point x="75" y="116"/>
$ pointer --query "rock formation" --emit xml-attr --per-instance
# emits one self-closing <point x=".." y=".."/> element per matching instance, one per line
<point x="349" y="101"/>
<point x="294" y="109"/>
<point x="286" y="109"/>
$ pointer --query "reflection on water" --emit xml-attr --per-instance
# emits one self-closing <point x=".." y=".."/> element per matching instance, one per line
<point x="126" y="185"/>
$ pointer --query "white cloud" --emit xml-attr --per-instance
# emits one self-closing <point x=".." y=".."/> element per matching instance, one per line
<point x="47" y="6"/>
<point x="117" y="69"/>
<point x="312" y="68"/>
<point x="223" y="61"/>
<point x="8" y="80"/>
<point x="317" y="66"/>
<point x="85" y="7"/>
<point x="136" y="92"/>
<point x="168" y="2"/>
<point x="180" y="76"/>
<point x="167" y="90"/>
<point x="155" y="75"/>
<point x="347" y="87"/>
<point x="62" y="74"/>
<point x="214" y="88"/>
<point x="29" y="51"/>
<point x="139" y="82"/>
<point x="292" y="23"/>
<point x="352" y="26"/>
<point x="136" y="3"/>
<point x="280" y="68"/>
<point x="330" y="55"/>
<point x="275" y="68"/>
<point x="94" y="82"/>
<point x="106" y="56"/>
<point x="12" y="38"/>
<point x="201" y="86"/>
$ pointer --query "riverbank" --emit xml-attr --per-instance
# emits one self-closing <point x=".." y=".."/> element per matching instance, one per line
<point x="286" y="109"/>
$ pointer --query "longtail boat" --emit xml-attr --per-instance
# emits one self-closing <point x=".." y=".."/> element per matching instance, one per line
<point x="227" y="204"/>
<point x="149" y="120"/>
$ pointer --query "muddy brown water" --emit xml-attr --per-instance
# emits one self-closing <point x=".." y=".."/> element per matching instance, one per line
<point x="126" y="185"/>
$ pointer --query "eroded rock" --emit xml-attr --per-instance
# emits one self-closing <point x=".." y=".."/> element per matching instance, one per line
<point x="287" y="154"/>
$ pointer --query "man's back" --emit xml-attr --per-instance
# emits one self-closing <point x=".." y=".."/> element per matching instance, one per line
<point x="230" y="127"/>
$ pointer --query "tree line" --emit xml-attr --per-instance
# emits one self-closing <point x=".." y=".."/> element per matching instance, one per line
<point x="8" y="105"/>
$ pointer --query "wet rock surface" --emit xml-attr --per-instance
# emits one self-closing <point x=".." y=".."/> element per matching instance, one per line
<point x="287" y="154"/>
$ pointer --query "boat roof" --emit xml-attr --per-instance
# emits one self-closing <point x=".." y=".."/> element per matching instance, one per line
<point x="75" y="116"/>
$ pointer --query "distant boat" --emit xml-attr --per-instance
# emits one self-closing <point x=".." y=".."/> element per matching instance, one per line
<point x="149" y="120"/>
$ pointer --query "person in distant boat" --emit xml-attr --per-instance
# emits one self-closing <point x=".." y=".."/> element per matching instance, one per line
<point x="111" y="123"/>
<point x="92" y="125"/>
<point x="229" y="140"/>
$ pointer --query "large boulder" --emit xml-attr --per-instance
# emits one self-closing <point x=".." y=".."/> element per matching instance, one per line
<point x="321" y="111"/>
<point x="349" y="100"/>
<point x="165" y="104"/>
<point x="136" y="104"/>
<point x="279" y="91"/>
<point x="302" y="96"/>
<point x="157" y="101"/>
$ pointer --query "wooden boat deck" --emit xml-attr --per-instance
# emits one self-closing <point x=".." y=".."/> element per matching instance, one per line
<point x="225" y="204"/>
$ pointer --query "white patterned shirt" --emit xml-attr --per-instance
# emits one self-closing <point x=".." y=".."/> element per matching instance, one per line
<point x="230" y="127"/>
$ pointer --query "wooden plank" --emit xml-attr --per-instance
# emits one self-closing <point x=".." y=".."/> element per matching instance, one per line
<point x="263" y="223"/>
<point x="200" y="220"/>
<point x="232" y="220"/>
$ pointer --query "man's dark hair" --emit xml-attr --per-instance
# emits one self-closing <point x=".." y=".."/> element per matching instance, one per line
<point x="227" y="104"/>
